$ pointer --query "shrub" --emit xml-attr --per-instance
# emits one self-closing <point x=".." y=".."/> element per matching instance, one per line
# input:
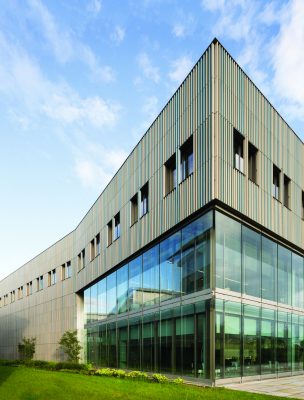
<point x="27" y="348"/>
<point x="41" y="364"/>
<point x="10" y="363"/>
<point x="137" y="375"/>
<point x="159" y="378"/>
<point x="178" y="380"/>
<point x="105" y="372"/>
<point x="120" y="373"/>
<point x="71" y="366"/>
<point x="70" y="344"/>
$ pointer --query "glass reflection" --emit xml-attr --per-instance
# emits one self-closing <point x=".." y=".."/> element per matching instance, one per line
<point x="170" y="261"/>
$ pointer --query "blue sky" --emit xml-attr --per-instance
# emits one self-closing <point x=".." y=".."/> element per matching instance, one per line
<point x="80" y="82"/>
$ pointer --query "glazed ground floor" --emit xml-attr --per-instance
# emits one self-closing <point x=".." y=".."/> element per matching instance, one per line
<point x="216" y="299"/>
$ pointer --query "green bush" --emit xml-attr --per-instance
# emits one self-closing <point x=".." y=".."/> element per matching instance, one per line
<point x="105" y="372"/>
<point x="27" y="348"/>
<point x="120" y="373"/>
<point x="40" y="364"/>
<point x="11" y="363"/>
<point x="137" y="375"/>
<point x="159" y="378"/>
<point x="71" y="366"/>
<point x="178" y="380"/>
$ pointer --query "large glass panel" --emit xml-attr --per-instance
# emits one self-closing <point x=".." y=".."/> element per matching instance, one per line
<point x="94" y="303"/>
<point x="188" y="258"/>
<point x="94" y="346"/>
<point x="122" y="289"/>
<point x="170" y="272"/>
<point x="196" y="254"/>
<point x="219" y="339"/>
<point x="251" y="262"/>
<point x="112" y="345"/>
<point x="186" y="337"/>
<point x="122" y="339"/>
<point x="297" y="343"/>
<point x="103" y="360"/>
<point x="232" y="329"/>
<point x="166" y="334"/>
<point x="268" y="341"/>
<point x="135" y="284"/>
<point x="87" y="305"/>
<point x="297" y="280"/>
<point x="149" y="330"/>
<point x="151" y="276"/>
<point x="269" y="269"/>
<point x="284" y="275"/>
<point x="228" y="253"/>
<point x="203" y="260"/>
<point x="251" y="340"/>
<point x="111" y="294"/>
<point x="284" y="342"/>
<point x="102" y="299"/>
<point x="134" y="343"/>
<point x="202" y="341"/>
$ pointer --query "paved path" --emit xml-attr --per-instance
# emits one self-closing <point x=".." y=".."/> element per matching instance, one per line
<point x="289" y="387"/>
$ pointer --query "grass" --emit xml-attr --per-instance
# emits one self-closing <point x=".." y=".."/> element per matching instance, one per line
<point x="33" y="384"/>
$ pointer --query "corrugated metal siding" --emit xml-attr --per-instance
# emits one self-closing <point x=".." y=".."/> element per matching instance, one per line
<point x="242" y="106"/>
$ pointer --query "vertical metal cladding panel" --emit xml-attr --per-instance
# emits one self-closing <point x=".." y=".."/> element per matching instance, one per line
<point x="242" y="106"/>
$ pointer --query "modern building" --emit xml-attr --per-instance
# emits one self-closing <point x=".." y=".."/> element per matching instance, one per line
<point x="191" y="260"/>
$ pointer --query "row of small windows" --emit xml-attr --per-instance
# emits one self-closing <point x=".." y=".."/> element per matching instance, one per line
<point x="186" y="169"/>
<point x="238" y="148"/>
<point x="66" y="272"/>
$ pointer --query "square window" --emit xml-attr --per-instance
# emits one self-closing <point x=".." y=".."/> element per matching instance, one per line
<point x="170" y="174"/>
<point x="186" y="154"/>
<point x="144" y="200"/>
<point x="134" y="209"/>
<point x="252" y="162"/>
<point x="238" y="150"/>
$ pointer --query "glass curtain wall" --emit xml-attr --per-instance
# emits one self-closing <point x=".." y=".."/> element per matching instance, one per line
<point x="252" y="340"/>
<point x="137" y="314"/>
<point x="248" y="262"/>
<point x="174" y="341"/>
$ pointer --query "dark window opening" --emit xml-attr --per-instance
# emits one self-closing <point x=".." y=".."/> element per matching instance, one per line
<point x="238" y="149"/>
<point x="186" y="153"/>
<point x="170" y="174"/>
<point x="276" y="182"/>
<point x="134" y="209"/>
<point x="110" y="233"/>
<point x="252" y="162"/>
<point x="117" y="226"/>
<point x="144" y="197"/>
<point x="286" y="191"/>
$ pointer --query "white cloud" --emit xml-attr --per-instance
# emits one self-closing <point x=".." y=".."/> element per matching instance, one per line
<point x="149" y="71"/>
<point x="179" y="30"/>
<point x="25" y="87"/>
<point x="94" y="7"/>
<point x="65" y="47"/>
<point x="288" y="56"/>
<point x="118" y="34"/>
<point x="180" y="68"/>
<point x="97" y="168"/>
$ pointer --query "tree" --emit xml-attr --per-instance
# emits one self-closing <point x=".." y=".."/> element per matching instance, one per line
<point x="27" y="348"/>
<point x="70" y="344"/>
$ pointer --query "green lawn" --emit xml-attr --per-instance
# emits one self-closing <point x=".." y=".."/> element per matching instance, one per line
<point x="29" y="384"/>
